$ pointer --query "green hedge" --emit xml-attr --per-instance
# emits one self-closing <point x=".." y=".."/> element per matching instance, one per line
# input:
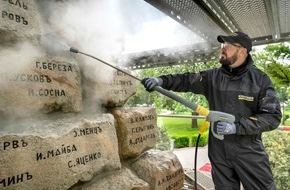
<point x="181" y="142"/>
<point x="277" y="144"/>
<point x="189" y="141"/>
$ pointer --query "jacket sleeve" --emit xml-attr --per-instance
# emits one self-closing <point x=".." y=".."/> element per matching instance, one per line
<point x="268" y="116"/>
<point x="187" y="82"/>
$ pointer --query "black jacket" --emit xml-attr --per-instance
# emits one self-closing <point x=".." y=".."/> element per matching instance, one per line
<point x="246" y="92"/>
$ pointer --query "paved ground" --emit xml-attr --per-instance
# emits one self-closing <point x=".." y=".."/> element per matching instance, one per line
<point x="186" y="156"/>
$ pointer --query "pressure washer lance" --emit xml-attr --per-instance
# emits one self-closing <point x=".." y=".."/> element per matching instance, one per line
<point x="211" y="116"/>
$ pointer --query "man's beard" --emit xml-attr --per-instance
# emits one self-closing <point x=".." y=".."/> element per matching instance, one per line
<point x="224" y="60"/>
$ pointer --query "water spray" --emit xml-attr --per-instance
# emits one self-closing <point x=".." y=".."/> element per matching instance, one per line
<point x="211" y="116"/>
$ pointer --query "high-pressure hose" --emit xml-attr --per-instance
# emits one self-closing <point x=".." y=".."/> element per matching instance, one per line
<point x="75" y="50"/>
<point x="211" y="116"/>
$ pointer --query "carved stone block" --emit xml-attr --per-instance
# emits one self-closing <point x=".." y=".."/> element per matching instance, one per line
<point x="162" y="170"/>
<point x="20" y="20"/>
<point x="41" y="84"/>
<point x="57" y="154"/>
<point x="136" y="129"/>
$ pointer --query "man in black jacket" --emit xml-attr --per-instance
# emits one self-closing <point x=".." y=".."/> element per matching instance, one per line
<point x="241" y="89"/>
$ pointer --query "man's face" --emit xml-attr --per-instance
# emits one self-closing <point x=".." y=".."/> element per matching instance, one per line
<point x="229" y="53"/>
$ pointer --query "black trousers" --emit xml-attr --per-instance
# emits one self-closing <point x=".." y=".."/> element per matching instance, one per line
<point x="240" y="159"/>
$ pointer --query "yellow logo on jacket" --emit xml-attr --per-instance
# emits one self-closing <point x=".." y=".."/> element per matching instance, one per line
<point x="246" y="98"/>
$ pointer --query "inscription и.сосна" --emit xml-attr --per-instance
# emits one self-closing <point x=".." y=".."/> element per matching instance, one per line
<point x="46" y="92"/>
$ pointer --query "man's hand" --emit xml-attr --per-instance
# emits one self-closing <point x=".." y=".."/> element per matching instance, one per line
<point x="150" y="83"/>
<point x="226" y="128"/>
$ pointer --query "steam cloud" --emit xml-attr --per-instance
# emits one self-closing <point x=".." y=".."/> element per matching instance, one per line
<point x="103" y="28"/>
<point x="109" y="28"/>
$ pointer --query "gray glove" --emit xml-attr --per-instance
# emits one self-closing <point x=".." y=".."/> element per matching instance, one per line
<point x="226" y="128"/>
<point x="150" y="83"/>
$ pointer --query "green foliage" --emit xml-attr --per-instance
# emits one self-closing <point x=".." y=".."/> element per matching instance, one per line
<point x="190" y="141"/>
<point x="277" y="144"/>
<point x="285" y="117"/>
<point x="287" y="122"/>
<point x="179" y="126"/>
<point x="280" y="51"/>
<point x="180" y="129"/>
<point x="202" y="141"/>
<point x="181" y="141"/>
<point x="280" y="74"/>
<point x="274" y="60"/>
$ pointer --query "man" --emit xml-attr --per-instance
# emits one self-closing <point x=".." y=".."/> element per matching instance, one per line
<point x="241" y="89"/>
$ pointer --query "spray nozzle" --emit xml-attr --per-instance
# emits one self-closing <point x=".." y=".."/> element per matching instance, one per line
<point x="74" y="50"/>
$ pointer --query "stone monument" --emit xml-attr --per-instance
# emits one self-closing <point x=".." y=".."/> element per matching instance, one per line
<point x="48" y="137"/>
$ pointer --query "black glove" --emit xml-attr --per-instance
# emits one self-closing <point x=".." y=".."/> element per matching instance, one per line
<point x="150" y="83"/>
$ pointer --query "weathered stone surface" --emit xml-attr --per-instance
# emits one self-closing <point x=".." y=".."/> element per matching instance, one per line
<point x="41" y="84"/>
<point x="119" y="180"/>
<point x="57" y="153"/>
<point x="136" y="130"/>
<point x="19" y="20"/>
<point x="162" y="170"/>
<point x="113" y="92"/>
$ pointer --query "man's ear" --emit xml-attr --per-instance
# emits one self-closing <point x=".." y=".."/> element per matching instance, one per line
<point x="243" y="52"/>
